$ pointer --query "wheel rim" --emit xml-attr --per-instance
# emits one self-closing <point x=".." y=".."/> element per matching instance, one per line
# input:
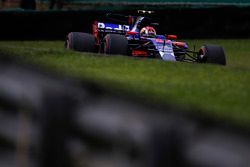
<point x="66" y="45"/>
<point x="201" y="54"/>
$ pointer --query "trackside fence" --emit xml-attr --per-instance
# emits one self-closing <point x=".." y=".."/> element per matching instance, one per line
<point x="49" y="120"/>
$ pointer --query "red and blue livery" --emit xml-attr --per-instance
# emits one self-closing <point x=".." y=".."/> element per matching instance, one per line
<point x="138" y="38"/>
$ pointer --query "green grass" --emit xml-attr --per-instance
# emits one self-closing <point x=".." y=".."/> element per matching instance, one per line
<point x="219" y="92"/>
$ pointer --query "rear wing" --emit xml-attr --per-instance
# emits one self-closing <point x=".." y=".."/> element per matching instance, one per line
<point x="100" y="29"/>
<point x="111" y="28"/>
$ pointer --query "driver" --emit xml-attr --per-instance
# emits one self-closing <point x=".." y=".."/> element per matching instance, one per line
<point x="148" y="32"/>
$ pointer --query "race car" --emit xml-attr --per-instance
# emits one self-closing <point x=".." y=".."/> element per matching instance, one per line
<point x="137" y="37"/>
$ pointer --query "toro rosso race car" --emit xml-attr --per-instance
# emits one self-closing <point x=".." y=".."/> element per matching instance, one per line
<point x="138" y="38"/>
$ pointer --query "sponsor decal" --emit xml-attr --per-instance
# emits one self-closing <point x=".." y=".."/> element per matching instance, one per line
<point x="114" y="27"/>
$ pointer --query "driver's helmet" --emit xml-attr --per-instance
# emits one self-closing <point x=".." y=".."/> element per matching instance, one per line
<point x="148" y="32"/>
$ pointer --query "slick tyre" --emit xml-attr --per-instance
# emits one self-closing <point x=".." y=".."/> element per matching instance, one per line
<point x="82" y="42"/>
<point x="213" y="54"/>
<point x="115" y="44"/>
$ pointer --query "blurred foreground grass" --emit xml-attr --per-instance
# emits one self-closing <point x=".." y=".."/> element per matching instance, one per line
<point x="220" y="92"/>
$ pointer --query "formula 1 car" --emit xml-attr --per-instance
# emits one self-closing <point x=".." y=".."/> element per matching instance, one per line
<point x="138" y="38"/>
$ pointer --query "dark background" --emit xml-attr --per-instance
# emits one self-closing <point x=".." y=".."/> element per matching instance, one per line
<point x="216" y="22"/>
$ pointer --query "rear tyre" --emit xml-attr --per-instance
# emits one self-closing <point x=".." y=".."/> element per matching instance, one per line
<point x="79" y="41"/>
<point x="115" y="44"/>
<point x="213" y="54"/>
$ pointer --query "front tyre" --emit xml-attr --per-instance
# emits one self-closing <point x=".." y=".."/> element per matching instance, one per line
<point x="115" y="44"/>
<point x="79" y="41"/>
<point x="213" y="54"/>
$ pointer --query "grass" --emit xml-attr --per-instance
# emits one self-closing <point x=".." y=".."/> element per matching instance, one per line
<point x="219" y="92"/>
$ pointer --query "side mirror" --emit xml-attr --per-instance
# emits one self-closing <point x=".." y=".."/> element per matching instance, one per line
<point x="172" y="37"/>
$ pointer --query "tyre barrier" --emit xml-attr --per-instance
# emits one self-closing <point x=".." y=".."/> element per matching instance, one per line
<point x="50" y="120"/>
